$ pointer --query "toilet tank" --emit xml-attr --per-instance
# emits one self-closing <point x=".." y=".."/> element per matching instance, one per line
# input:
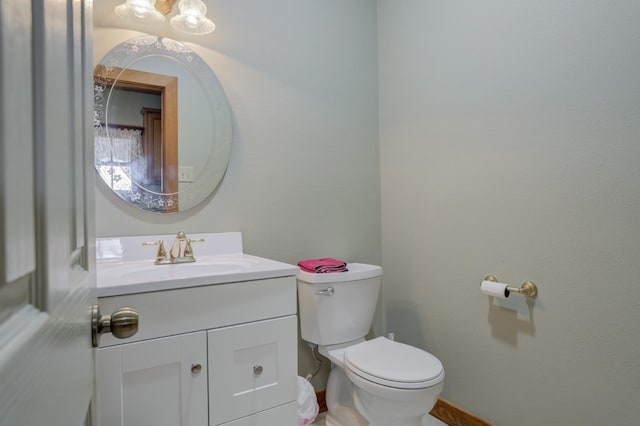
<point x="338" y="307"/>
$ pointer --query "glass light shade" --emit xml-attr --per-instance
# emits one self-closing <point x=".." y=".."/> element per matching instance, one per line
<point x="192" y="18"/>
<point x="139" y="10"/>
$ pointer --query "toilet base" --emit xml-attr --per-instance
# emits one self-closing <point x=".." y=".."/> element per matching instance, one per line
<point x="427" y="420"/>
<point x="340" y="406"/>
<point x="383" y="406"/>
<point x="344" y="418"/>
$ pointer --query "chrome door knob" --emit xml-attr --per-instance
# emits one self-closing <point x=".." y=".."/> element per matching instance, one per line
<point x="122" y="323"/>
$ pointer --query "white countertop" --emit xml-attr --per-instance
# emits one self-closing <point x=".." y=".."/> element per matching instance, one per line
<point x="125" y="266"/>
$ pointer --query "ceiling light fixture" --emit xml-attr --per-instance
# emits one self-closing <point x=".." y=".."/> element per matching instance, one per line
<point x="191" y="18"/>
<point x="139" y="10"/>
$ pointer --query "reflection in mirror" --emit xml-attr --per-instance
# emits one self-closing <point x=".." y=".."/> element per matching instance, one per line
<point x="143" y="146"/>
<point x="162" y="125"/>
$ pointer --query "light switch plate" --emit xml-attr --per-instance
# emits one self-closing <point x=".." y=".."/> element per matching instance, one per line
<point x="186" y="174"/>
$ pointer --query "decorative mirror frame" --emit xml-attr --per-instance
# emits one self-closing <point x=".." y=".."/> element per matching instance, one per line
<point x="115" y="68"/>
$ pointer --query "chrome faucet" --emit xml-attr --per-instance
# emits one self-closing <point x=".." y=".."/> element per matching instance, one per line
<point x="177" y="254"/>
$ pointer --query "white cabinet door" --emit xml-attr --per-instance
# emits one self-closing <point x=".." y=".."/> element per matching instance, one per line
<point x="252" y="367"/>
<point x="159" y="382"/>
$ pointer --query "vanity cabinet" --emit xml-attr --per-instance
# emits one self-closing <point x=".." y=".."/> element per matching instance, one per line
<point x="222" y="354"/>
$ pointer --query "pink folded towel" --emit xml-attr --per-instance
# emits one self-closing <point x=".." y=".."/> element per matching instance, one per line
<point x="323" y="266"/>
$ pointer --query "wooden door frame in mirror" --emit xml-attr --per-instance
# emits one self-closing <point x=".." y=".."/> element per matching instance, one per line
<point x="167" y="87"/>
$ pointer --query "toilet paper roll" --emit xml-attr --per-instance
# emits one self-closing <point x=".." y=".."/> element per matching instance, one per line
<point x="495" y="289"/>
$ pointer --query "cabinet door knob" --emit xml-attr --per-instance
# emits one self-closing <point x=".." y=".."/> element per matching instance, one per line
<point x="257" y="370"/>
<point x="196" y="368"/>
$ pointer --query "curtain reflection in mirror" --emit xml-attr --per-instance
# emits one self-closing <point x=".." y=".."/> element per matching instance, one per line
<point x="119" y="157"/>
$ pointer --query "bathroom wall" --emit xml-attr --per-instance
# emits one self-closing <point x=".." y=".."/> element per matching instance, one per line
<point x="303" y="180"/>
<point x="510" y="146"/>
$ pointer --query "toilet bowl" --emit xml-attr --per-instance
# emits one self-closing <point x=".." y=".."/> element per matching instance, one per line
<point x="377" y="382"/>
<point x="394" y="384"/>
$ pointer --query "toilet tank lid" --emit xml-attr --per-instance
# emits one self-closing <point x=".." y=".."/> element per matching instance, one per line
<point x="356" y="271"/>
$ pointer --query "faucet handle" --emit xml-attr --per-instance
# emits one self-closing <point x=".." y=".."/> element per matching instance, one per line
<point x="188" y="251"/>
<point x="161" y="254"/>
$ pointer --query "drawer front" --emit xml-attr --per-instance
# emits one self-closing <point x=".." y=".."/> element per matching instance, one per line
<point x="252" y="367"/>
<point x="284" y="415"/>
<point x="165" y="313"/>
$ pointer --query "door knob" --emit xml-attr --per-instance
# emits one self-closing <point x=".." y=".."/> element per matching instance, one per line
<point x="122" y="323"/>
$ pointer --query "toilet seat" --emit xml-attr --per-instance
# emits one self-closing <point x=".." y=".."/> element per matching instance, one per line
<point x="393" y="364"/>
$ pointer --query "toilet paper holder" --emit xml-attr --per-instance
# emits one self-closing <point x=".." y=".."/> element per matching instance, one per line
<point x="528" y="288"/>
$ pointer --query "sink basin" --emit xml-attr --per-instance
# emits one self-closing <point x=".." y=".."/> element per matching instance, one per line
<point x="129" y="274"/>
<point x="137" y="271"/>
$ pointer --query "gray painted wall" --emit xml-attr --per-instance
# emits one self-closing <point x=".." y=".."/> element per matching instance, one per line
<point x="510" y="146"/>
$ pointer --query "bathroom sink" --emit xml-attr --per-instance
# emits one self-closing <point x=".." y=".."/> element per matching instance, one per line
<point x="210" y="265"/>
<point x="141" y="271"/>
<point x="131" y="269"/>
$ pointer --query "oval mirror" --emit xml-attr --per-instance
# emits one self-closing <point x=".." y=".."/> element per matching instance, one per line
<point x="162" y="125"/>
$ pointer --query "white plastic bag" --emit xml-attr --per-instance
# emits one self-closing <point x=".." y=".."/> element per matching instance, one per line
<point x="307" y="403"/>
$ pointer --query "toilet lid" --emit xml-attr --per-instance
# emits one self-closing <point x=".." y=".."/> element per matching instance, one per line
<point x="394" y="364"/>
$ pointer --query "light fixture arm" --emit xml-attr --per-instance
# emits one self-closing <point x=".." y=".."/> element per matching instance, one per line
<point x="165" y="6"/>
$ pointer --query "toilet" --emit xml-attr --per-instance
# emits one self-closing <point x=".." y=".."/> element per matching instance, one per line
<point x="376" y="382"/>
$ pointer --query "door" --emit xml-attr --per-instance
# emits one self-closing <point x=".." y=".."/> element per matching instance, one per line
<point x="47" y="266"/>
<point x="160" y="382"/>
